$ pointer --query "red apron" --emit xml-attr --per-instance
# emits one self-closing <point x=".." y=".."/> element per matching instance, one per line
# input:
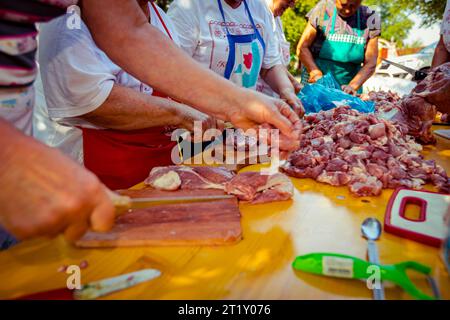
<point x="121" y="159"/>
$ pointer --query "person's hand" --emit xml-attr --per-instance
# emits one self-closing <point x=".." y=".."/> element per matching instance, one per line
<point x="315" y="75"/>
<point x="291" y="98"/>
<point x="45" y="193"/>
<point x="349" y="89"/>
<point x="297" y="85"/>
<point x="253" y="108"/>
<point x="187" y="117"/>
<point x="438" y="95"/>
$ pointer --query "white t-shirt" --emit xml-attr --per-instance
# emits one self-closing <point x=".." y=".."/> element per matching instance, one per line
<point x="445" y="28"/>
<point x="202" y="33"/>
<point x="78" y="77"/>
<point x="16" y="107"/>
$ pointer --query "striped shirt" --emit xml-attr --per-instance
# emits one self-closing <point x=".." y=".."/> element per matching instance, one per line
<point x="18" y="37"/>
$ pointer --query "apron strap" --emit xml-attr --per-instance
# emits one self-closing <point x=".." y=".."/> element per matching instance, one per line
<point x="333" y="21"/>
<point x="254" y="26"/>
<point x="223" y="16"/>
<point x="359" y="22"/>
<point x="358" y="15"/>
<point x="251" y="21"/>
<point x="161" y="20"/>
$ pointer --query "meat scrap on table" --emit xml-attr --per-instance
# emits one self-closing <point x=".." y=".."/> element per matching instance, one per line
<point x="254" y="187"/>
<point x="344" y="147"/>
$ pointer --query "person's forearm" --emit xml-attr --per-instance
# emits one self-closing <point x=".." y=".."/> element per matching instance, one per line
<point x="277" y="78"/>
<point x="127" y="109"/>
<point x="441" y="55"/>
<point x="307" y="59"/>
<point x="363" y="75"/>
<point x="122" y="31"/>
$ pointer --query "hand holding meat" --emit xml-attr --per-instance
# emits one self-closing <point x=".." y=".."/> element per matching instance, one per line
<point x="260" y="109"/>
<point x="433" y="91"/>
<point x="187" y="117"/>
<point x="44" y="193"/>
<point x="435" y="88"/>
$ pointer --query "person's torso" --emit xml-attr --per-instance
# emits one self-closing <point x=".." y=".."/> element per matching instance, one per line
<point x="70" y="140"/>
<point x="18" y="45"/>
<point x="18" y="37"/>
<point x="343" y="26"/>
<point x="212" y="49"/>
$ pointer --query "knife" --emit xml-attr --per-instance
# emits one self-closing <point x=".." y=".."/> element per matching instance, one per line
<point x="418" y="75"/>
<point x="125" y="203"/>
<point x="97" y="289"/>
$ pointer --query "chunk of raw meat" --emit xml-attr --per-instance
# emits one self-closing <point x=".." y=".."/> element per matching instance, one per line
<point x="259" y="188"/>
<point x="175" y="177"/>
<point x="254" y="187"/>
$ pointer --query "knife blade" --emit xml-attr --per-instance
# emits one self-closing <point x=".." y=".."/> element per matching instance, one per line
<point x="104" y="287"/>
<point x="418" y="75"/>
<point x="124" y="203"/>
<point x="97" y="289"/>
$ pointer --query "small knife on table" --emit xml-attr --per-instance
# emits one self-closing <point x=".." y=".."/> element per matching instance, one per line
<point x="97" y="289"/>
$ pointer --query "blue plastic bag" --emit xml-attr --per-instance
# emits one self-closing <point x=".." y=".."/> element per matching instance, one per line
<point x="329" y="81"/>
<point x="326" y="94"/>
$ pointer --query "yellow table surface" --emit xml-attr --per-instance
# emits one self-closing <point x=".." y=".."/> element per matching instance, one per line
<point x="259" y="267"/>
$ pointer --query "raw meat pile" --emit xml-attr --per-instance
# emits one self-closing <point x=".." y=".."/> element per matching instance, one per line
<point x="343" y="147"/>
<point x="253" y="187"/>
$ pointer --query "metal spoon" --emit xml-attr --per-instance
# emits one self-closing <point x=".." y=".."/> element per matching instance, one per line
<point x="371" y="230"/>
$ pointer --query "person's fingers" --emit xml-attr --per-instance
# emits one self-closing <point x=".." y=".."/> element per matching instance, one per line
<point x="188" y="124"/>
<point x="103" y="215"/>
<point x="220" y="125"/>
<point x="75" y="231"/>
<point x="292" y="117"/>
<point x="295" y="83"/>
<point x="297" y="105"/>
<point x="283" y="118"/>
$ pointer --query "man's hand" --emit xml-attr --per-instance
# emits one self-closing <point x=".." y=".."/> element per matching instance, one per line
<point x="44" y="193"/>
<point x="291" y="98"/>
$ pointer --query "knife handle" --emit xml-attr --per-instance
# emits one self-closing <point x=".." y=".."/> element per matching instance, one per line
<point x="57" y="294"/>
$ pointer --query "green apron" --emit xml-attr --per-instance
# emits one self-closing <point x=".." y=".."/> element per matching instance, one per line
<point x="341" y="54"/>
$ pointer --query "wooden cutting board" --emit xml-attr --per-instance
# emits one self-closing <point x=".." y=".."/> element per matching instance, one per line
<point x="195" y="224"/>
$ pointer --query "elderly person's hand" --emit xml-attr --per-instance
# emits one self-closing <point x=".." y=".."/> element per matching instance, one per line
<point x="258" y="108"/>
<point x="44" y="193"/>
<point x="291" y="98"/>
